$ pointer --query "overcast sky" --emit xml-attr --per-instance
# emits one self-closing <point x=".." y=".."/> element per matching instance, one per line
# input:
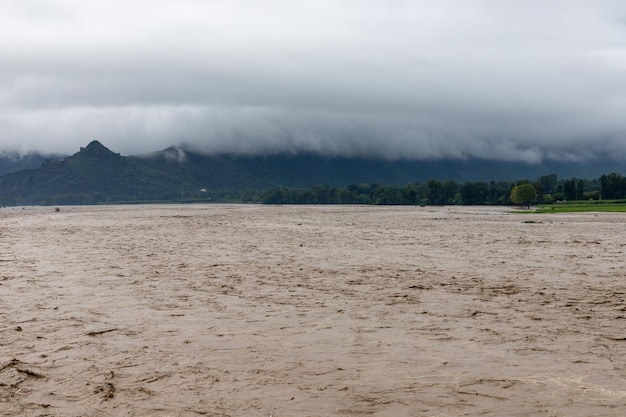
<point x="515" y="80"/>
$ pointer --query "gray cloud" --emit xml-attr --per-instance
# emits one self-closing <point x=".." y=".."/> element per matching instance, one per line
<point x="400" y="79"/>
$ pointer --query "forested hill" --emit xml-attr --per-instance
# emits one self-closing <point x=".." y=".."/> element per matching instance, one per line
<point x="97" y="174"/>
<point x="13" y="161"/>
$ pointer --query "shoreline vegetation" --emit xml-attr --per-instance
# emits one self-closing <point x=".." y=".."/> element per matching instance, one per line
<point x="606" y="206"/>
<point x="609" y="206"/>
<point x="547" y="194"/>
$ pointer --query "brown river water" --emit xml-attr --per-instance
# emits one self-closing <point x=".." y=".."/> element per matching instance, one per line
<point x="250" y="310"/>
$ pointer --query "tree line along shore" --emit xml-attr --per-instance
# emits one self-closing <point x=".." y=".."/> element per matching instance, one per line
<point x="546" y="190"/>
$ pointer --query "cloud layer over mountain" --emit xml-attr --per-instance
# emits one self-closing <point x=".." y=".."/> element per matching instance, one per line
<point x="528" y="80"/>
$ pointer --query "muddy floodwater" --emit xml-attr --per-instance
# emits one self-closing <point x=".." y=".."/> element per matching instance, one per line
<point x="282" y="311"/>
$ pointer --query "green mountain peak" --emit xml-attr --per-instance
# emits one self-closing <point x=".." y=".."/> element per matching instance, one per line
<point x="95" y="148"/>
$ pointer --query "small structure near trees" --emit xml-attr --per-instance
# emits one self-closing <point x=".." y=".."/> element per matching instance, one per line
<point x="523" y="195"/>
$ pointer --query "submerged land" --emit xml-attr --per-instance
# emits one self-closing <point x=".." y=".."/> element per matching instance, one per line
<point x="257" y="310"/>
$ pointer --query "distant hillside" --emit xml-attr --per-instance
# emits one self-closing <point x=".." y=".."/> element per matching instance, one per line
<point x="96" y="174"/>
<point x="222" y="172"/>
<point x="13" y="162"/>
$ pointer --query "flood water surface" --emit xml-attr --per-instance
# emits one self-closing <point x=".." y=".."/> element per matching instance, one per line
<point x="246" y="310"/>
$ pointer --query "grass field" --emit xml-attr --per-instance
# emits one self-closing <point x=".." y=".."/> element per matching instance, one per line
<point x="617" y="206"/>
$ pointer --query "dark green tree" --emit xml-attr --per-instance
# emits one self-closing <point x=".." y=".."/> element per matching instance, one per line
<point x="548" y="182"/>
<point x="474" y="193"/>
<point x="569" y="189"/>
<point x="434" y="191"/>
<point x="612" y="186"/>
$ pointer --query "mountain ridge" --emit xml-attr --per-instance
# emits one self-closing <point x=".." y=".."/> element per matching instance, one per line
<point x="98" y="174"/>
